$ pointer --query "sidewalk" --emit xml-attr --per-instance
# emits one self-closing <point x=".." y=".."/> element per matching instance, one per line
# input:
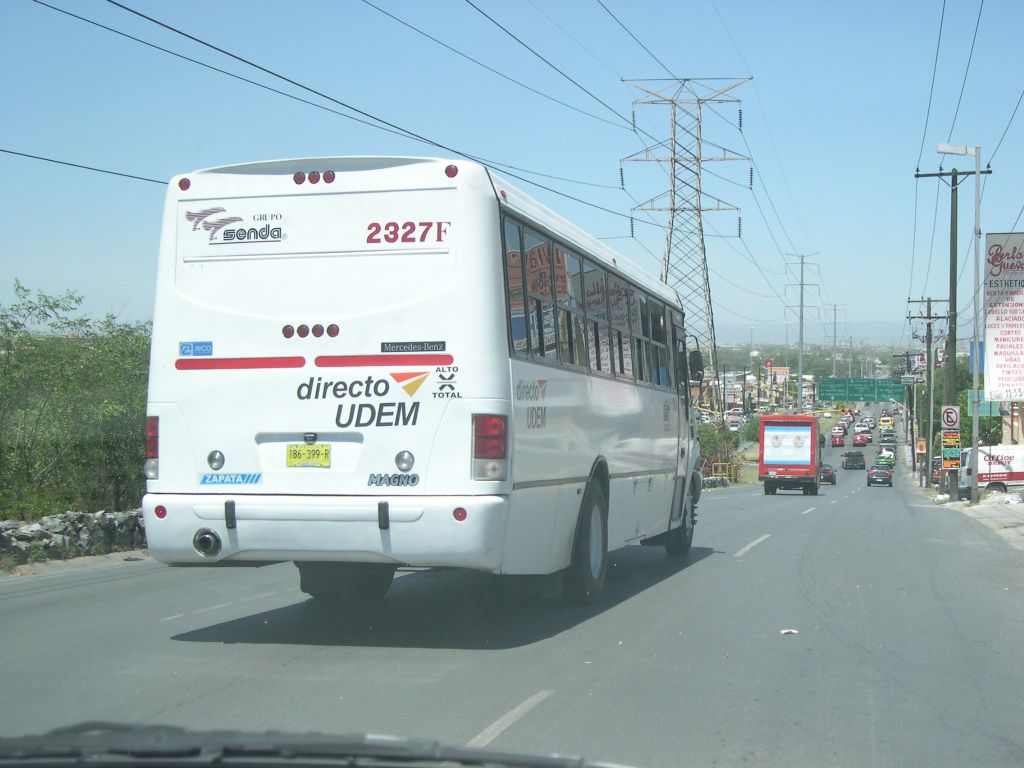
<point x="1001" y="512"/>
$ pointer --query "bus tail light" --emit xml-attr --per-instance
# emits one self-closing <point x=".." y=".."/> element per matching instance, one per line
<point x="152" y="465"/>
<point x="490" y="447"/>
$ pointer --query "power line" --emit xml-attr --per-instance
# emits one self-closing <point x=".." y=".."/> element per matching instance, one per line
<point x="403" y="131"/>
<point x="967" y="70"/>
<point x="635" y="38"/>
<point x="492" y="70"/>
<point x="1008" y="122"/>
<point x="931" y="89"/>
<point x="84" y="167"/>
<point x="508" y="32"/>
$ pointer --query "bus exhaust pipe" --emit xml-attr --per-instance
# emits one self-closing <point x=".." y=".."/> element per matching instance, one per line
<point x="206" y="543"/>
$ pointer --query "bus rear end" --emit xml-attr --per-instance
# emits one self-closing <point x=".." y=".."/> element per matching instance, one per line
<point x="329" y="375"/>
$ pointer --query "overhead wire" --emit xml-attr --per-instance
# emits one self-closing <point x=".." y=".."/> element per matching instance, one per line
<point x="1007" y="128"/>
<point x="408" y="133"/>
<point x="491" y="69"/>
<point x="525" y="45"/>
<point x="322" y="107"/>
<point x="84" y="167"/>
<point x="635" y="39"/>
<point x="967" y="69"/>
<point x="931" y="89"/>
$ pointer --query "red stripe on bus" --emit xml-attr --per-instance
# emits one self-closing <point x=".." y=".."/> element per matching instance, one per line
<point x="236" y="363"/>
<point x="358" y="361"/>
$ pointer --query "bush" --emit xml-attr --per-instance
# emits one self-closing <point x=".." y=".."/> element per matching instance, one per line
<point x="72" y="407"/>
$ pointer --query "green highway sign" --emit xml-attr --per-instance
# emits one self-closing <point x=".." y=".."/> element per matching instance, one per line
<point x="870" y="390"/>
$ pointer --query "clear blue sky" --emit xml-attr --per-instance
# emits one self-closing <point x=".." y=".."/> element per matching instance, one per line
<point x="834" y="119"/>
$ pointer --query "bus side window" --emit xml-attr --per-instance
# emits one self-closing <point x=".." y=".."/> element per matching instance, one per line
<point x="599" y="340"/>
<point x="618" y="304"/>
<point x="659" y="345"/>
<point x="640" y="322"/>
<point x="569" y="298"/>
<point x="514" y="288"/>
<point x="537" y="253"/>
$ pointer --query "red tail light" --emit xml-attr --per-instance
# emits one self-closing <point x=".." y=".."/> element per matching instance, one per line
<point x="152" y="437"/>
<point x="490" y="436"/>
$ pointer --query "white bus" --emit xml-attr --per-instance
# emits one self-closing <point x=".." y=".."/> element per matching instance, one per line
<point x="366" y="363"/>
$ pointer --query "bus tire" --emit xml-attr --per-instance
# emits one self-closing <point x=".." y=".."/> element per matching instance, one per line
<point x="681" y="539"/>
<point x="349" y="582"/>
<point x="585" y="577"/>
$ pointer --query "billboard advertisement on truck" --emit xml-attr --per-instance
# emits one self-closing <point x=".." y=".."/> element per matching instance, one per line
<point x="789" y="455"/>
<point x="1002" y="469"/>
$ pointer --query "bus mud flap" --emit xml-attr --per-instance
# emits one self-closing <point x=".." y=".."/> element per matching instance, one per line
<point x="230" y="521"/>
<point x="383" y="516"/>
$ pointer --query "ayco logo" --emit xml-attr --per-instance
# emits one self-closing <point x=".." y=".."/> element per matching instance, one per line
<point x="268" y="233"/>
<point x="195" y="348"/>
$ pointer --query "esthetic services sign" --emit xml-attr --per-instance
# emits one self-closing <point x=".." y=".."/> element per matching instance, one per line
<point x="1004" y="316"/>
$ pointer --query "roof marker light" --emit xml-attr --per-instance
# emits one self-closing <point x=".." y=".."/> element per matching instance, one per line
<point x="288" y="331"/>
<point x="299" y="177"/>
<point x="303" y="331"/>
<point x="184" y="184"/>
<point x="328" y="177"/>
<point x="314" y="177"/>
<point x="318" y="330"/>
<point x="332" y="330"/>
<point x="451" y="171"/>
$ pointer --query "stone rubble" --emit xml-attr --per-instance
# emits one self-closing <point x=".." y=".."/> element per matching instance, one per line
<point x="72" y="534"/>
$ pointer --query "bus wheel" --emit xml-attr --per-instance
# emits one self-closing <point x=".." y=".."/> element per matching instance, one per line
<point x="585" y="578"/>
<point x="680" y="539"/>
<point x="352" y="582"/>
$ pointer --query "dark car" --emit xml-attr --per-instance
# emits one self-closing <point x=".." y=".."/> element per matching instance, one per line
<point x="879" y="475"/>
<point x="827" y="474"/>
<point x="853" y="460"/>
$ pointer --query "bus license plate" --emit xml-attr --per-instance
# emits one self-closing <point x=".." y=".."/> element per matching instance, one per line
<point x="303" y="455"/>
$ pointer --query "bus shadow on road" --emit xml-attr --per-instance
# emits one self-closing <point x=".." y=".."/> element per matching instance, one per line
<point x="455" y="609"/>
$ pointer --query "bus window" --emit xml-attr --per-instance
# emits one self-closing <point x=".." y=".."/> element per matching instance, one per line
<point x="515" y="296"/>
<point x="659" y="344"/>
<point x="640" y="324"/>
<point x="618" y="305"/>
<point x="537" y="252"/>
<point x="596" y="302"/>
<point x="569" y="295"/>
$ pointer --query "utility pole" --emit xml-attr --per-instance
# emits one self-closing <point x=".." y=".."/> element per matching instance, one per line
<point x="949" y="380"/>
<point x="684" y="263"/>
<point x="930" y="369"/>
<point x="800" y="359"/>
<point x="833" y="341"/>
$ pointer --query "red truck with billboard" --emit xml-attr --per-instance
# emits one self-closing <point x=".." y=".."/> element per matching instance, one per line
<point x="789" y="455"/>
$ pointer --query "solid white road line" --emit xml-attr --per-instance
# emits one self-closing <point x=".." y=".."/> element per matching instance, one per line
<point x="752" y="544"/>
<point x="175" y="616"/>
<point x="503" y="723"/>
<point x="811" y="509"/>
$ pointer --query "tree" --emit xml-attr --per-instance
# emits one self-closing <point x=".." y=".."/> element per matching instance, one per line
<point x="72" y="407"/>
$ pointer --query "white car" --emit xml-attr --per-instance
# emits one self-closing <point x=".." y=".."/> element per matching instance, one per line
<point x="858" y="428"/>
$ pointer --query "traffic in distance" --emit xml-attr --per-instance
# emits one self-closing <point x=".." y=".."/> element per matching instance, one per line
<point x="794" y="453"/>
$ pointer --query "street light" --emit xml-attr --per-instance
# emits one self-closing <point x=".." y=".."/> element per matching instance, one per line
<point x="960" y="149"/>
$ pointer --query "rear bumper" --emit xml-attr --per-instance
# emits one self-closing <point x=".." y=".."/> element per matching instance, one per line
<point x="421" y="530"/>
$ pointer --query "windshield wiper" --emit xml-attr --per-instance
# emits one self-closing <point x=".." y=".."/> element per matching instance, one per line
<point x="101" y="744"/>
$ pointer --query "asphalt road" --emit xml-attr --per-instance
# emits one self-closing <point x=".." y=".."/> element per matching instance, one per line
<point x="909" y="624"/>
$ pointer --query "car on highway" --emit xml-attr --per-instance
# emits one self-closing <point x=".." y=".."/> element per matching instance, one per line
<point x="860" y="427"/>
<point x="838" y="430"/>
<point x="838" y="441"/>
<point x="885" y="459"/>
<point x="880" y="475"/>
<point x="861" y="440"/>
<point x="853" y="460"/>
<point x="827" y="473"/>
